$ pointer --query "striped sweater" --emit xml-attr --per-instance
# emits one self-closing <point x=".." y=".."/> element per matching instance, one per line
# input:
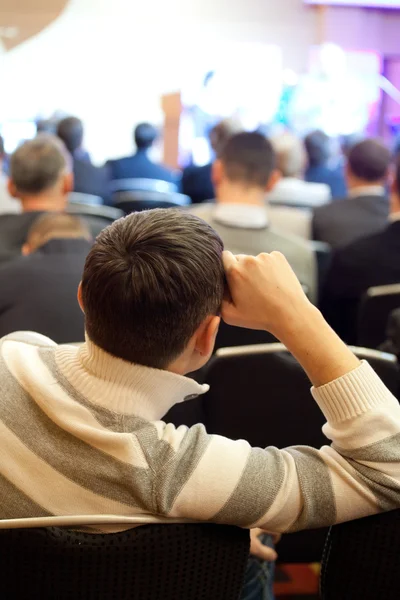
<point x="82" y="443"/>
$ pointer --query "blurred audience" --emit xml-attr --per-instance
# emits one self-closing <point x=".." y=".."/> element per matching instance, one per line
<point x="292" y="190"/>
<point x="139" y="165"/>
<point x="7" y="203"/>
<point x="41" y="179"/>
<point x="88" y="179"/>
<point x="243" y="173"/>
<point x="197" y="181"/>
<point x="366" y="209"/>
<point x="321" y="168"/>
<point x="38" y="290"/>
<point x="368" y="262"/>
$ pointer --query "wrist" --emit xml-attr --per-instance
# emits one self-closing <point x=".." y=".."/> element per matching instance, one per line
<point x="297" y="320"/>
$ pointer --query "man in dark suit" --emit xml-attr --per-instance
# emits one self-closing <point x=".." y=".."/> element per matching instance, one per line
<point x="139" y="166"/>
<point x="368" y="262"/>
<point x="38" y="290"/>
<point x="320" y="168"/>
<point x="366" y="209"/>
<point x="197" y="181"/>
<point x="41" y="179"/>
<point x="88" y="179"/>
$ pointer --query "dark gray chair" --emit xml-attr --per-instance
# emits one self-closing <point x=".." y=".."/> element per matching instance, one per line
<point x="86" y="199"/>
<point x="168" y="562"/>
<point x="375" y="308"/>
<point x="133" y="201"/>
<point x="107" y="213"/>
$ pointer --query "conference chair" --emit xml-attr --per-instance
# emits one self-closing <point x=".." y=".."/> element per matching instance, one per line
<point x="323" y="254"/>
<point x="86" y="199"/>
<point x="142" y="184"/>
<point x="261" y="394"/>
<point x="108" y="213"/>
<point x="133" y="201"/>
<point x="168" y="562"/>
<point x="375" y="308"/>
<point x="361" y="559"/>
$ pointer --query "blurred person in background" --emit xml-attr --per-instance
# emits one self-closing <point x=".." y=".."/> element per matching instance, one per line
<point x="367" y="262"/>
<point x="38" y="289"/>
<point x="292" y="190"/>
<point x="365" y="210"/>
<point x="88" y="179"/>
<point x="243" y="173"/>
<point x="321" y="167"/>
<point x="41" y="179"/>
<point x="139" y="165"/>
<point x="197" y="181"/>
<point x="7" y="203"/>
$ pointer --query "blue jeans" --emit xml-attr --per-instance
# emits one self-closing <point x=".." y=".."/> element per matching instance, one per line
<point x="259" y="576"/>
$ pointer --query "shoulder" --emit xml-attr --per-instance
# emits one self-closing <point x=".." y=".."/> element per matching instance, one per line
<point x="27" y="338"/>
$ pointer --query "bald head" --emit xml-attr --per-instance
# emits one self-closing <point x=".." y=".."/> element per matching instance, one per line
<point x="291" y="155"/>
<point x="40" y="174"/>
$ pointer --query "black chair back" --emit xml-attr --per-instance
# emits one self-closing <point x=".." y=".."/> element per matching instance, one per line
<point x="323" y="254"/>
<point x="375" y="308"/>
<point x="229" y="337"/>
<point x="133" y="201"/>
<point x="107" y="213"/>
<point x="361" y="559"/>
<point x="167" y="562"/>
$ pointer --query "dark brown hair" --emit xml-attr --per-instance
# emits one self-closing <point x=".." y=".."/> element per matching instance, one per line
<point x="248" y="158"/>
<point x="149" y="281"/>
<point x="369" y="160"/>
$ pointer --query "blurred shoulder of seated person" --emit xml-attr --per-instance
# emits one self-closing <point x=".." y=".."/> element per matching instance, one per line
<point x="140" y="165"/>
<point x="88" y="179"/>
<point x="242" y="175"/>
<point x="322" y="165"/>
<point x="8" y="204"/>
<point x="197" y="181"/>
<point x="292" y="190"/>
<point x="38" y="290"/>
<point x="365" y="210"/>
<point x="153" y="290"/>
<point x="368" y="262"/>
<point x="41" y="179"/>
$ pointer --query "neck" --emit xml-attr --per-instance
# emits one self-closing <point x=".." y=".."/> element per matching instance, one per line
<point x="46" y="202"/>
<point x="233" y="193"/>
<point x="354" y="182"/>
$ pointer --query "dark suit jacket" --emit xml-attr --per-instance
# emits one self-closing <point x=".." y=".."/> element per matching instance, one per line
<point x="38" y="292"/>
<point x="196" y="183"/>
<point x="368" y="262"/>
<point x="140" y="166"/>
<point x="14" y="229"/>
<point x="332" y="177"/>
<point x="345" y="221"/>
<point x="90" y="179"/>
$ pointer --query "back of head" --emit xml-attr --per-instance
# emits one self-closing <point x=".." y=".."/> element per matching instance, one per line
<point x="145" y="136"/>
<point x="248" y="159"/>
<point x="38" y="165"/>
<point x="369" y="161"/>
<point x="56" y="226"/>
<point x="70" y="131"/>
<point x="220" y="133"/>
<point x="318" y="147"/>
<point x="291" y="155"/>
<point x="149" y="281"/>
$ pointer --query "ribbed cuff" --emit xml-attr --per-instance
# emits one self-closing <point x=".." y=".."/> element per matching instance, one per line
<point x="353" y="394"/>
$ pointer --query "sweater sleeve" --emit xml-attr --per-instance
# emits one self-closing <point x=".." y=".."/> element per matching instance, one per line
<point x="206" y="477"/>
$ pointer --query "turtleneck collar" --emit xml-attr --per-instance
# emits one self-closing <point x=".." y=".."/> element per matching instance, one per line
<point x="121" y="386"/>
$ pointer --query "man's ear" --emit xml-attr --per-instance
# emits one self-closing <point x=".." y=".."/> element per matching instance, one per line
<point x="79" y="296"/>
<point x="12" y="190"/>
<point x="275" y="177"/>
<point x="68" y="183"/>
<point x="26" y="249"/>
<point x="217" y="172"/>
<point x="205" y="336"/>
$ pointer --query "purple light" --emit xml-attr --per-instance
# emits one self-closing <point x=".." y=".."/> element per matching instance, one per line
<point x="370" y="3"/>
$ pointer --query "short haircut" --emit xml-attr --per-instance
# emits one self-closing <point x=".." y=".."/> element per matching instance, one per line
<point x="248" y="158"/>
<point x="149" y="281"/>
<point x="37" y="164"/>
<point x="56" y="226"/>
<point x="369" y="160"/>
<point x="318" y="147"/>
<point x="145" y="135"/>
<point x="70" y="131"/>
<point x="291" y="155"/>
<point x="220" y="134"/>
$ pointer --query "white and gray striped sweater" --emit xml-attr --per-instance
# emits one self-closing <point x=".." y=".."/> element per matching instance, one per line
<point x="82" y="443"/>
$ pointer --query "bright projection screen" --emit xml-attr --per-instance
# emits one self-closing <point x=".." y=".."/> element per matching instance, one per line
<point x="370" y="3"/>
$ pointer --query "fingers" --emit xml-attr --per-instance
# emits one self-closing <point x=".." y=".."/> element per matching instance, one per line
<point x="260" y="551"/>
